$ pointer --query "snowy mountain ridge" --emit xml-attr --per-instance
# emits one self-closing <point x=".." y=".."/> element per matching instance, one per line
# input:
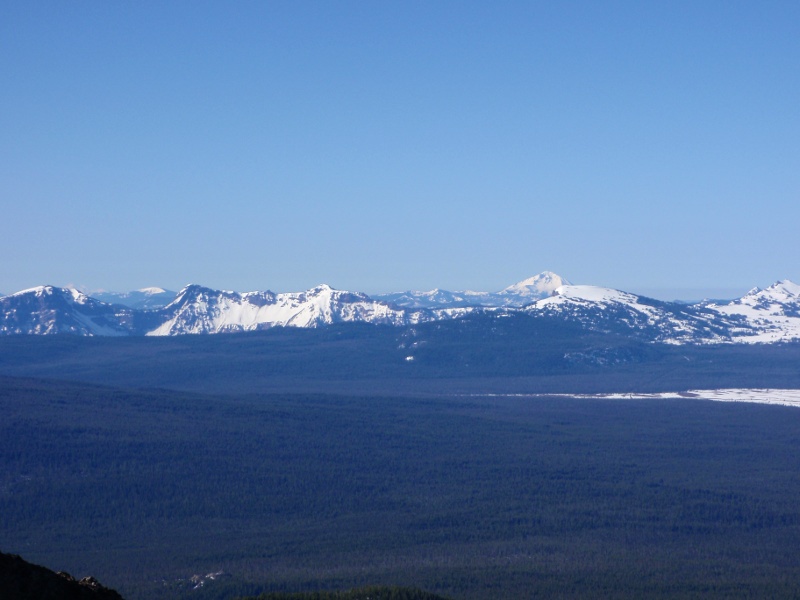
<point x="202" y="310"/>
<point x="760" y="316"/>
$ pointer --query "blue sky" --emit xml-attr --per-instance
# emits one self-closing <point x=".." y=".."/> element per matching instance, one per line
<point x="382" y="146"/>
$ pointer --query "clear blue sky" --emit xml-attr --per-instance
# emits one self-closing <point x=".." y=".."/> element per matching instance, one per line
<point x="381" y="146"/>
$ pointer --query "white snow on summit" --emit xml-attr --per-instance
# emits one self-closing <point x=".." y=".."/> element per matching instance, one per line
<point x="39" y="290"/>
<point x="49" y="290"/>
<point x="590" y="293"/>
<point x="536" y="287"/>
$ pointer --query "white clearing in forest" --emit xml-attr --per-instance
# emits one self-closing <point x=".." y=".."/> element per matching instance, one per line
<point x="782" y="397"/>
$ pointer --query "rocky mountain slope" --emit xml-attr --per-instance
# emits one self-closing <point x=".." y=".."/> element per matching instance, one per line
<point x="48" y="310"/>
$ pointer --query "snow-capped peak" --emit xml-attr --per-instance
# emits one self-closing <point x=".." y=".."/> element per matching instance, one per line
<point x="543" y="284"/>
<point x="191" y="288"/>
<point x="779" y="293"/>
<point x="783" y="290"/>
<point x="50" y="290"/>
<point x="534" y="288"/>
<point x="770" y="315"/>
<point x="322" y="288"/>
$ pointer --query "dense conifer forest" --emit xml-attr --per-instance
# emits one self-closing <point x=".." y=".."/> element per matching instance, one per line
<point x="467" y="496"/>
<point x="474" y="355"/>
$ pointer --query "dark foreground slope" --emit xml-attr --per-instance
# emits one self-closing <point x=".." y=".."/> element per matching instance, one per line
<point x="21" y="580"/>
<point x="469" y="497"/>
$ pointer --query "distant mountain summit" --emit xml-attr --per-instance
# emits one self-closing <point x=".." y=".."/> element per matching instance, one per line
<point x="532" y="289"/>
<point x="437" y="298"/>
<point x="145" y="298"/>
<point x="775" y="310"/>
<point x="516" y="295"/>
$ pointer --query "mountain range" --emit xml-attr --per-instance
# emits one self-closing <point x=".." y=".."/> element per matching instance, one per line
<point x="761" y="316"/>
<point x="517" y="295"/>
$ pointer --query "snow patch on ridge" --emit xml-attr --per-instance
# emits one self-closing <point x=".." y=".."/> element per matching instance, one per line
<point x="590" y="293"/>
<point x="39" y="290"/>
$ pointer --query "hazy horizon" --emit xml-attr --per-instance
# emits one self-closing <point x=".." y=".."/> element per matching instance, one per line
<point x="682" y="294"/>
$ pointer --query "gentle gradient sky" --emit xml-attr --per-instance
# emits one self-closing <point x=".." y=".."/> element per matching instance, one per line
<point x="382" y="146"/>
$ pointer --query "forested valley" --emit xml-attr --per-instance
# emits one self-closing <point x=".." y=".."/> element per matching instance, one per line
<point x="463" y="494"/>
